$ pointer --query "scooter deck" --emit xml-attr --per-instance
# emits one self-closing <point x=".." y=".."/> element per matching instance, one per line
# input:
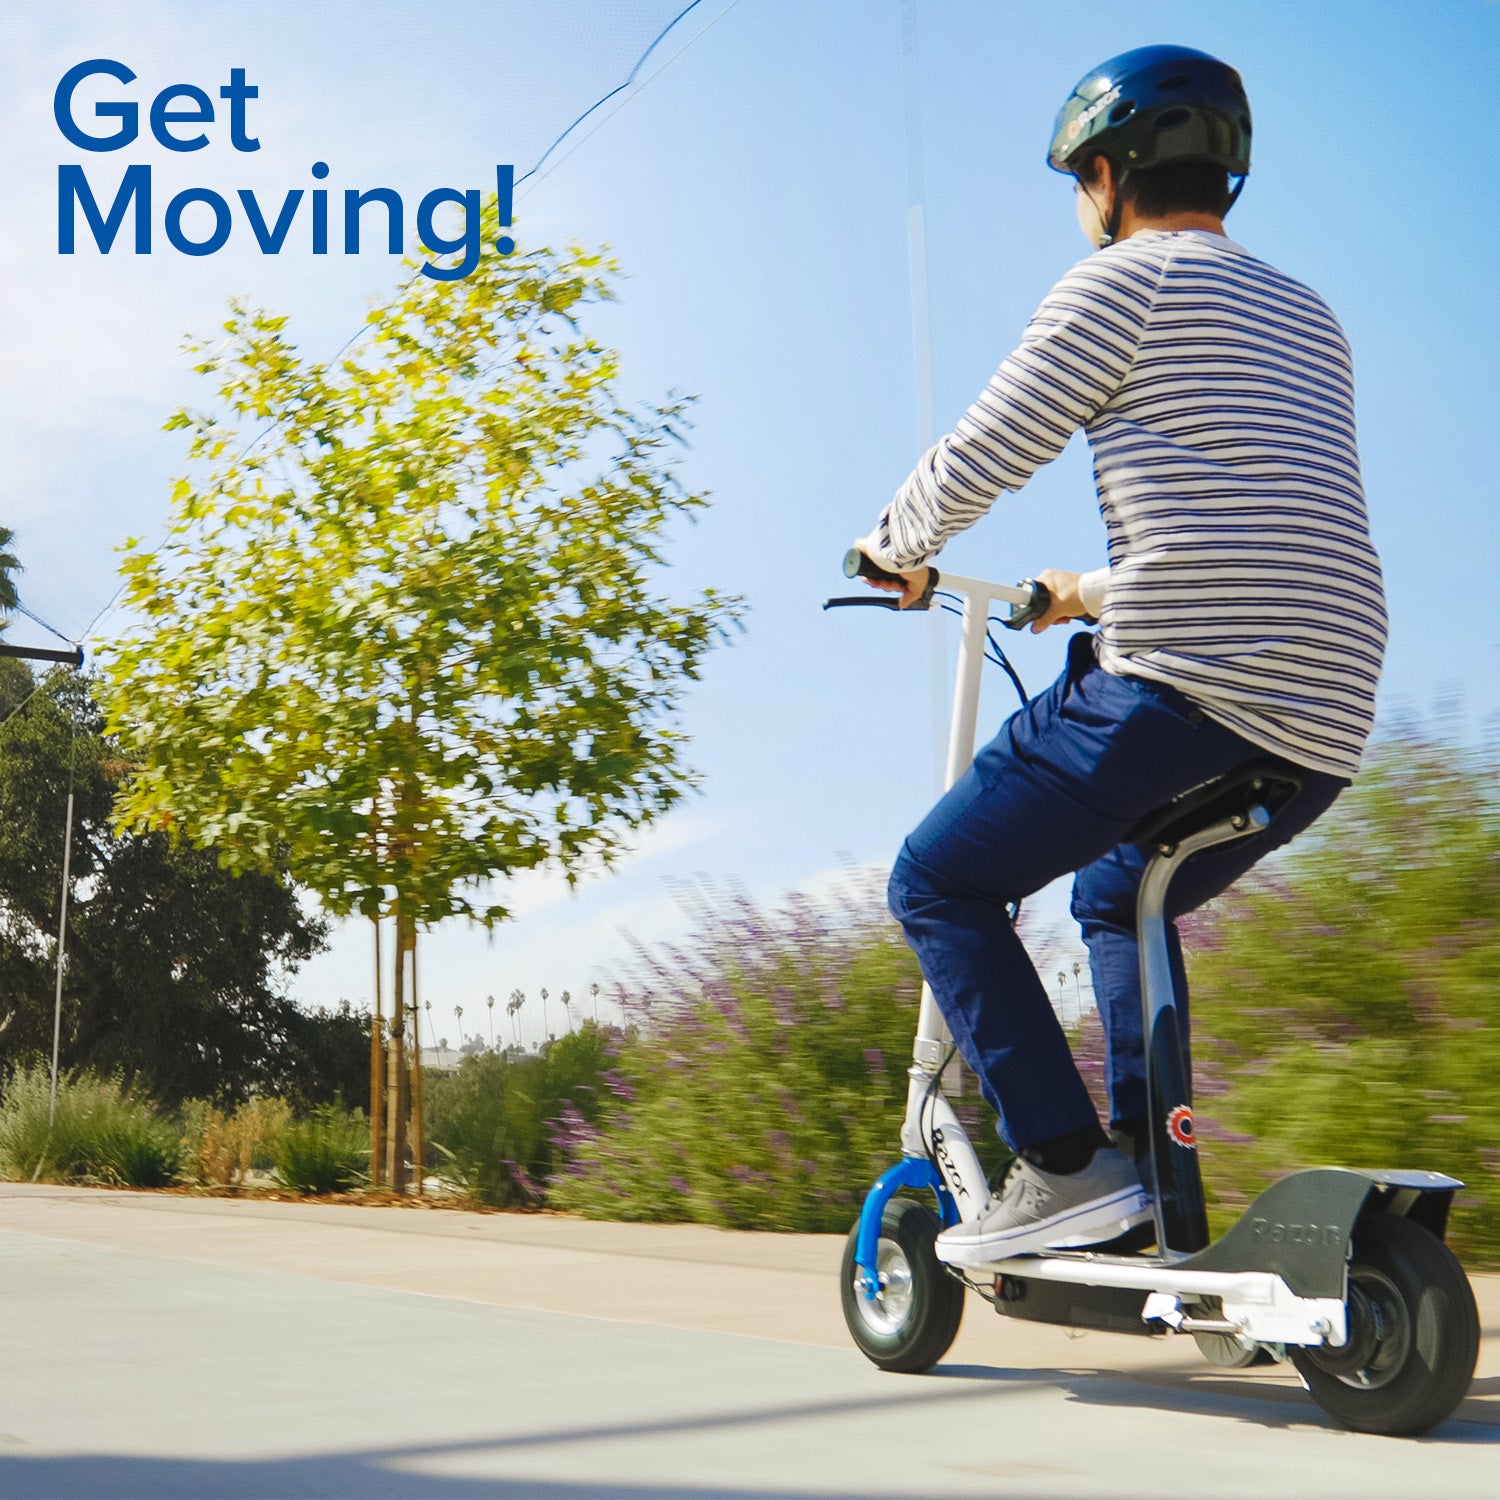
<point x="1076" y="1304"/>
<point x="1156" y="1294"/>
<point x="1104" y="1309"/>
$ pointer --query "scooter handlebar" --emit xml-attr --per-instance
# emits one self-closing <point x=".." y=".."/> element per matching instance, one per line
<point x="1033" y="609"/>
<point x="1029" y="600"/>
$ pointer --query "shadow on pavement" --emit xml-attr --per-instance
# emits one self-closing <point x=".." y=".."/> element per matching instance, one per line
<point x="1229" y="1394"/>
<point x="333" y="1474"/>
<point x="398" y="1471"/>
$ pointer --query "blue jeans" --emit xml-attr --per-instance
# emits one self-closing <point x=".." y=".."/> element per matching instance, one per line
<point x="1057" y="790"/>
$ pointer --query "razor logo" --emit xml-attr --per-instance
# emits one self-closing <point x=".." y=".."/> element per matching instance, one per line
<point x="1273" y="1232"/>
<point x="946" y="1165"/>
<point x="1180" y="1127"/>
<point x="1086" y="117"/>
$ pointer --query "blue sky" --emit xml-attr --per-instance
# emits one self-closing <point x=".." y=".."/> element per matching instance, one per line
<point x="755" y="193"/>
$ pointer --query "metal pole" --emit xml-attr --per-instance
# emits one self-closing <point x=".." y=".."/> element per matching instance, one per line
<point x="62" y="941"/>
<point x="921" y="343"/>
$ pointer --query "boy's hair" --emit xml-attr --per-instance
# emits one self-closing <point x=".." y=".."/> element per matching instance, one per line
<point x="1199" y="187"/>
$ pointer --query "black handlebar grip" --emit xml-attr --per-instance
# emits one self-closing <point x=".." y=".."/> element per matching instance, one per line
<point x="1034" y="608"/>
<point x="857" y="565"/>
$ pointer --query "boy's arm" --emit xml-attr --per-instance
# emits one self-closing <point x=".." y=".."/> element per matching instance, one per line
<point x="1074" y="355"/>
<point x="1093" y="589"/>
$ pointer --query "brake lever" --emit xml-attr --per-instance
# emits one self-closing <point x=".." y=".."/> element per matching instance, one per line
<point x="863" y="601"/>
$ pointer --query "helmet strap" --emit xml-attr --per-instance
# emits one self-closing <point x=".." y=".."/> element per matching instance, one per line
<point x="1116" y="210"/>
<point x="1239" y="187"/>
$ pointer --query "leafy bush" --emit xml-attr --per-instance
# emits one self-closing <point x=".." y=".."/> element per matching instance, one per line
<point x="328" y="1152"/>
<point x="103" y="1132"/>
<point x="1344" y="999"/>
<point x="768" y="1070"/>
<point x="221" y="1150"/>
<point x="502" y="1123"/>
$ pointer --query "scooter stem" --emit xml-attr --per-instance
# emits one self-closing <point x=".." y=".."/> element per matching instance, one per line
<point x="960" y="1168"/>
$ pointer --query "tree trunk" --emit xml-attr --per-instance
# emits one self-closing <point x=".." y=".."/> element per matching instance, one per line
<point x="377" y="1076"/>
<point x="418" y="1139"/>
<point x="397" y="1093"/>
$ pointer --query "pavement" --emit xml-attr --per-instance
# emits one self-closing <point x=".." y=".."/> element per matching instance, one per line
<point x="162" y="1344"/>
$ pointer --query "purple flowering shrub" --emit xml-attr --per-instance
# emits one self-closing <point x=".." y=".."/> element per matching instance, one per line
<point x="1345" y="999"/>
<point x="769" y="1059"/>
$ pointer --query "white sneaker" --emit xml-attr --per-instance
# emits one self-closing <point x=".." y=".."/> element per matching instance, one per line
<point x="1036" y="1210"/>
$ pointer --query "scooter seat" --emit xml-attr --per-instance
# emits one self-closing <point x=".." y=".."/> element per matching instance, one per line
<point x="1269" y="781"/>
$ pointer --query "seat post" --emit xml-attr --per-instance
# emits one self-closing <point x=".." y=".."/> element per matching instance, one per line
<point x="1181" y="1216"/>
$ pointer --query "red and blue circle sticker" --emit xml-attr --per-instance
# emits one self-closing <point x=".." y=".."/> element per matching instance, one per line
<point x="1180" y="1127"/>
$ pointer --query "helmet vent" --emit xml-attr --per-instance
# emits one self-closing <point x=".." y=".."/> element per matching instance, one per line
<point x="1122" y="111"/>
<point x="1176" y="81"/>
<point x="1168" y="119"/>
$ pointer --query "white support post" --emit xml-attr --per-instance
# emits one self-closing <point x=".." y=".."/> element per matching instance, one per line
<point x="62" y="942"/>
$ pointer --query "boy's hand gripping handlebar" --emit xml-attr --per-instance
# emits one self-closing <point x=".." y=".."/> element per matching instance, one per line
<point x="1032" y="599"/>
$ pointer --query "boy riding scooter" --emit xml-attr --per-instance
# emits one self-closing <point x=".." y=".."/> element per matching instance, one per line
<point x="1241" y="613"/>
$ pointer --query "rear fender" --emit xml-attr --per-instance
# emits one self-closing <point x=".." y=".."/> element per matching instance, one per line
<point x="1301" y="1227"/>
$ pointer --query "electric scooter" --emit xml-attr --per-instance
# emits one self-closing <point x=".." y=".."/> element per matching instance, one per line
<point x="1342" y="1272"/>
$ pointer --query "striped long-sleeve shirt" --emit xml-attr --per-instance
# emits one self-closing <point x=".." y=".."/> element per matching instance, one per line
<point x="1217" y="396"/>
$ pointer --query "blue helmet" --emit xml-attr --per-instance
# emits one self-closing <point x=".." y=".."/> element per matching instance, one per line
<point x="1155" y="105"/>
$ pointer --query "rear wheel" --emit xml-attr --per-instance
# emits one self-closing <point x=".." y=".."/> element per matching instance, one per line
<point x="1413" y="1335"/>
<point x="911" y="1322"/>
<point x="1226" y="1352"/>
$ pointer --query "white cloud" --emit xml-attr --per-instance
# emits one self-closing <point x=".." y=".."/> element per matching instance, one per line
<point x="560" y="938"/>
<point x="533" y="892"/>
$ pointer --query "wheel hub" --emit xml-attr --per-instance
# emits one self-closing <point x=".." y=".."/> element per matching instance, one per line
<point x="1379" y="1333"/>
<point x="890" y="1307"/>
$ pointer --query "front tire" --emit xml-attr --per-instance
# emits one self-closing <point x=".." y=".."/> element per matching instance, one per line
<point x="912" y="1322"/>
<point x="1413" y="1335"/>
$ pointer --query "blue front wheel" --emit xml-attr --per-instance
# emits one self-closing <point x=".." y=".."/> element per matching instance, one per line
<point x="913" y="1318"/>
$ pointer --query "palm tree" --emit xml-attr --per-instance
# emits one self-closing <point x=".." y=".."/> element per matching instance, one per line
<point x="1078" y="986"/>
<point x="458" y="1015"/>
<point x="427" y="1006"/>
<point x="512" y="1009"/>
<point x="489" y="1000"/>
<point x="8" y="565"/>
<point x="1062" y="995"/>
<point x="567" y="1005"/>
<point x="594" y="991"/>
<point x="543" y="994"/>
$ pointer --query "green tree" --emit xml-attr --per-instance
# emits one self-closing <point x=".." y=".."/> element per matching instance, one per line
<point x="1344" y="999"/>
<point x="175" y="968"/>
<point x="407" y="635"/>
<point x="325" y="1056"/>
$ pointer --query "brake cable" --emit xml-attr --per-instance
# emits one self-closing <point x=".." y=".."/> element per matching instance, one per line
<point x="994" y="653"/>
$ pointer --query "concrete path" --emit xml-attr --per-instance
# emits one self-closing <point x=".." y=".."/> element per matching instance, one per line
<point x="165" y="1345"/>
